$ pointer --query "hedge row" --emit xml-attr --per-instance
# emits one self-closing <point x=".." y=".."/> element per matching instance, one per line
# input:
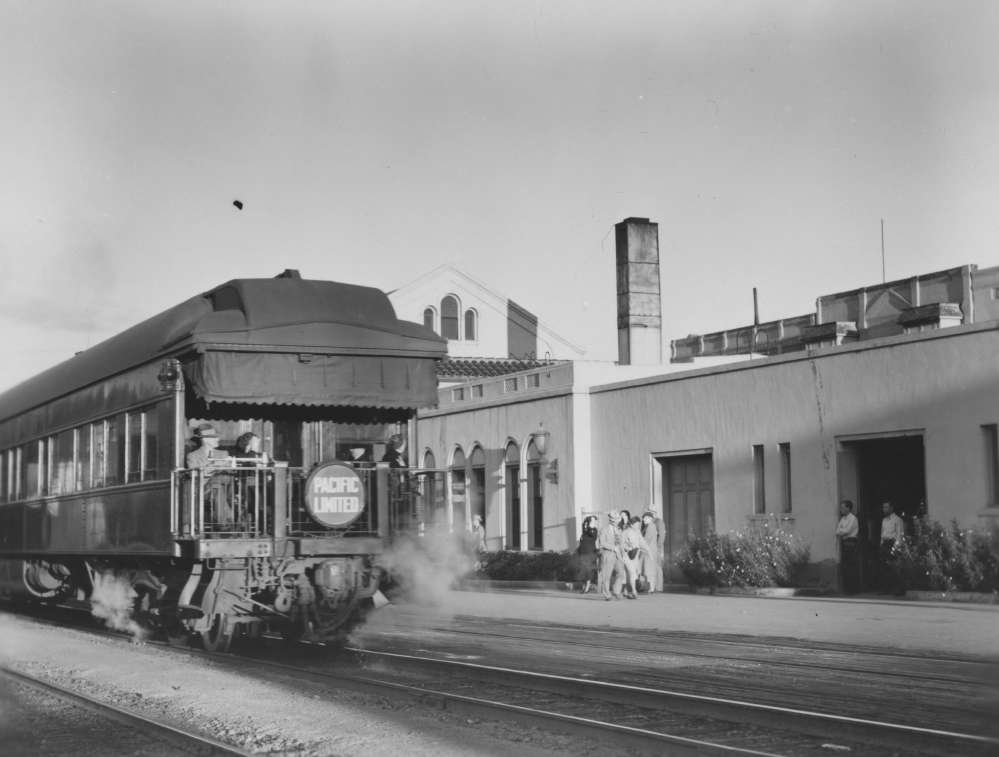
<point x="941" y="558"/>
<point x="770" y="556"/>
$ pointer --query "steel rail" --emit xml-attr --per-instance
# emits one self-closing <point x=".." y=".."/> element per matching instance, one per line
<point x="642" y="736"/>
<point x="732" y="710"/>
<point x="770" y="660"/>
<point x="192" y="742"/>
<point x="679" y="745"/>
<point x="772" y="716"/>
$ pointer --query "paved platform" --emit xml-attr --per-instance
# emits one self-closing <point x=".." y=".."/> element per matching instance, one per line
<point x="946" y="628"/>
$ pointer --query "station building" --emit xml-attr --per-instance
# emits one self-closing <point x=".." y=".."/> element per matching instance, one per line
<point x="887" y="392"/>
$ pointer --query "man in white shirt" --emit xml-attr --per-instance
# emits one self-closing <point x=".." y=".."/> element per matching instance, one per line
<point x="846" y="532"/>
<point x="892" y="531"/>
<point x="609" y="550"/>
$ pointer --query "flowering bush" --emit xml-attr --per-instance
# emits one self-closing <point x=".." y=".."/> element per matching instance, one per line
<point x="525" y="566"/>
<point x="766" y="556"/>
<point x="939" y="558"/>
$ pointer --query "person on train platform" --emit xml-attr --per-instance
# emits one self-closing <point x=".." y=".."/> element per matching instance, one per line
<point x="892" y="533"/>
<point x="478" y="535"/>
<point x="207" y="451"/>
<point x="632" y="548"/>
<point x="584" y="561"/>
<point x="609" y="550"/>
<point x="650" y="564"/>
<point x="847" y="530"/>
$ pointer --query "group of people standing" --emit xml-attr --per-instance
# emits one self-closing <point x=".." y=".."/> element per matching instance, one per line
<point x="623" y="556"/>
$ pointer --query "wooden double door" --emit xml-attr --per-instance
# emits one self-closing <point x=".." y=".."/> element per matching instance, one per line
<point x="689" y="494"/>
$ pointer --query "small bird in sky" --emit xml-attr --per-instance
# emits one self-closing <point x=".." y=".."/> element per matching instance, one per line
<point x="238" y="204"/>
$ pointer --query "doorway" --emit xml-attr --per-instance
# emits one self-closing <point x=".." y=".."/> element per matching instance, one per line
<point x="875" y="470"/>
<point x="689" y="495"/>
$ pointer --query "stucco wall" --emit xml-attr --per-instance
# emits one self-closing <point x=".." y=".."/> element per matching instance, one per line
<point x="945" y="384"/>
<point x="492" y="427"/>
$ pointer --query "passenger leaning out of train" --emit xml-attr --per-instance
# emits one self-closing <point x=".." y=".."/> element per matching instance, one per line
<point x="248" y="451"/>
<point x="207" y="451"/>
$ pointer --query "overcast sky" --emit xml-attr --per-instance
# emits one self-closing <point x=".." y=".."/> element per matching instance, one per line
<point x="372" y="141"/>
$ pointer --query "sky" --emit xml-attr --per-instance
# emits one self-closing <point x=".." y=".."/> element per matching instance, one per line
<point x="370" y="142"/>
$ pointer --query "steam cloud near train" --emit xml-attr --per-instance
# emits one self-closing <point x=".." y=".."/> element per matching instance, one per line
<point x="426" y="567"/>
<point x="112" y="601"/>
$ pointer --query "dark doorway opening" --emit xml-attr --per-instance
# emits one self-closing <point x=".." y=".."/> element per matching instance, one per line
<point x="873" y="471"/>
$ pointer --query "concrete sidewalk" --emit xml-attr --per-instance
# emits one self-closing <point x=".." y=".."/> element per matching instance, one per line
<point x="926" y="627"/>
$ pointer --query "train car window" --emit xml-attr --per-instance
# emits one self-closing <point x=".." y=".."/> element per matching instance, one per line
<point x="31" y="469"/>
<point x="150" y="443"/>
<point x="114" y="458"/>
<point x="14" y="471"/>
<point x="99" y="454"/>
<point x="84" y="465"/>
<point x="61" y="468"/>
<point x="4" y="476"/>
<point x="135" y="460"/>
<point x="164" y="440"/>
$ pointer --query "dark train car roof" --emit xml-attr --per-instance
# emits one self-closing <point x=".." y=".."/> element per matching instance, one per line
<point x="279" y="315"/>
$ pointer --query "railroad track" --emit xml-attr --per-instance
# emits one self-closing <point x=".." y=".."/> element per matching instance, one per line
<point x="782" y="724"/>
<point x="185" y="742"/>
<point x="649" y="718"/>
<point x="896" y="664"/>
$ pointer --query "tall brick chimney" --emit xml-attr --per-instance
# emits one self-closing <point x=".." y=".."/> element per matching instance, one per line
<point x="639" y="303"/>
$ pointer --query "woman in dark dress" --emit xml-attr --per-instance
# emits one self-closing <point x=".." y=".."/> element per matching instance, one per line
<point x="586" y="555"/>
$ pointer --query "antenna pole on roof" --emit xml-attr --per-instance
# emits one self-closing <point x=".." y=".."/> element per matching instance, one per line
<point x="882" y="250"/>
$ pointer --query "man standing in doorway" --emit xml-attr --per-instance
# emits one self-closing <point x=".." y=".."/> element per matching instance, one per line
<point x="846" y="532"/>
<point x="892" y="532"/>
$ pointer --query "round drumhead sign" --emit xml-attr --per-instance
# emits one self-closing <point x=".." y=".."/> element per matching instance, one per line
<point x="334" y="495"/>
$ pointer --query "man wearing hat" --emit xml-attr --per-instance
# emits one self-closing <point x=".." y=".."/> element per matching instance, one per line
<point x="208" y="440"/>
<point x="609" y="549"/>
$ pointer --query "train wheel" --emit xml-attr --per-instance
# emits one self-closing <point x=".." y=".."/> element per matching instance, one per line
<point x="216" y="639"/>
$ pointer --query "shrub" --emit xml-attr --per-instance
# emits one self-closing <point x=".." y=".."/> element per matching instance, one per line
<point x="940" y="558"/>
<point x="766" y="556"/>
<point x="525" y="566"/>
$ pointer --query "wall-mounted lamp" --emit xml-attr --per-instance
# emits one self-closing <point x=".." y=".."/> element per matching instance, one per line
<point x="171" y="377"/>
<point x="540" y="438"/>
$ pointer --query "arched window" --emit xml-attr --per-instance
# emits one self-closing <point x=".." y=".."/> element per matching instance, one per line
<point x="512" y="481"/>
<point x="459" y="500"/>
<point x="449" y="317"/>
<point x="535" y="499"/>
<point x="428" y="318"/>
<point x="469" y="325"/>
<point x="477" y="486"/>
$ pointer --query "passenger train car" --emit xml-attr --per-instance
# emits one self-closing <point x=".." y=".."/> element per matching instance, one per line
<point x="95" y="492"/>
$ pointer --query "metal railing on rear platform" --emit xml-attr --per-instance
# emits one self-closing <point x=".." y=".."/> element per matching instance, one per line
<point x="233" y="500"/>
